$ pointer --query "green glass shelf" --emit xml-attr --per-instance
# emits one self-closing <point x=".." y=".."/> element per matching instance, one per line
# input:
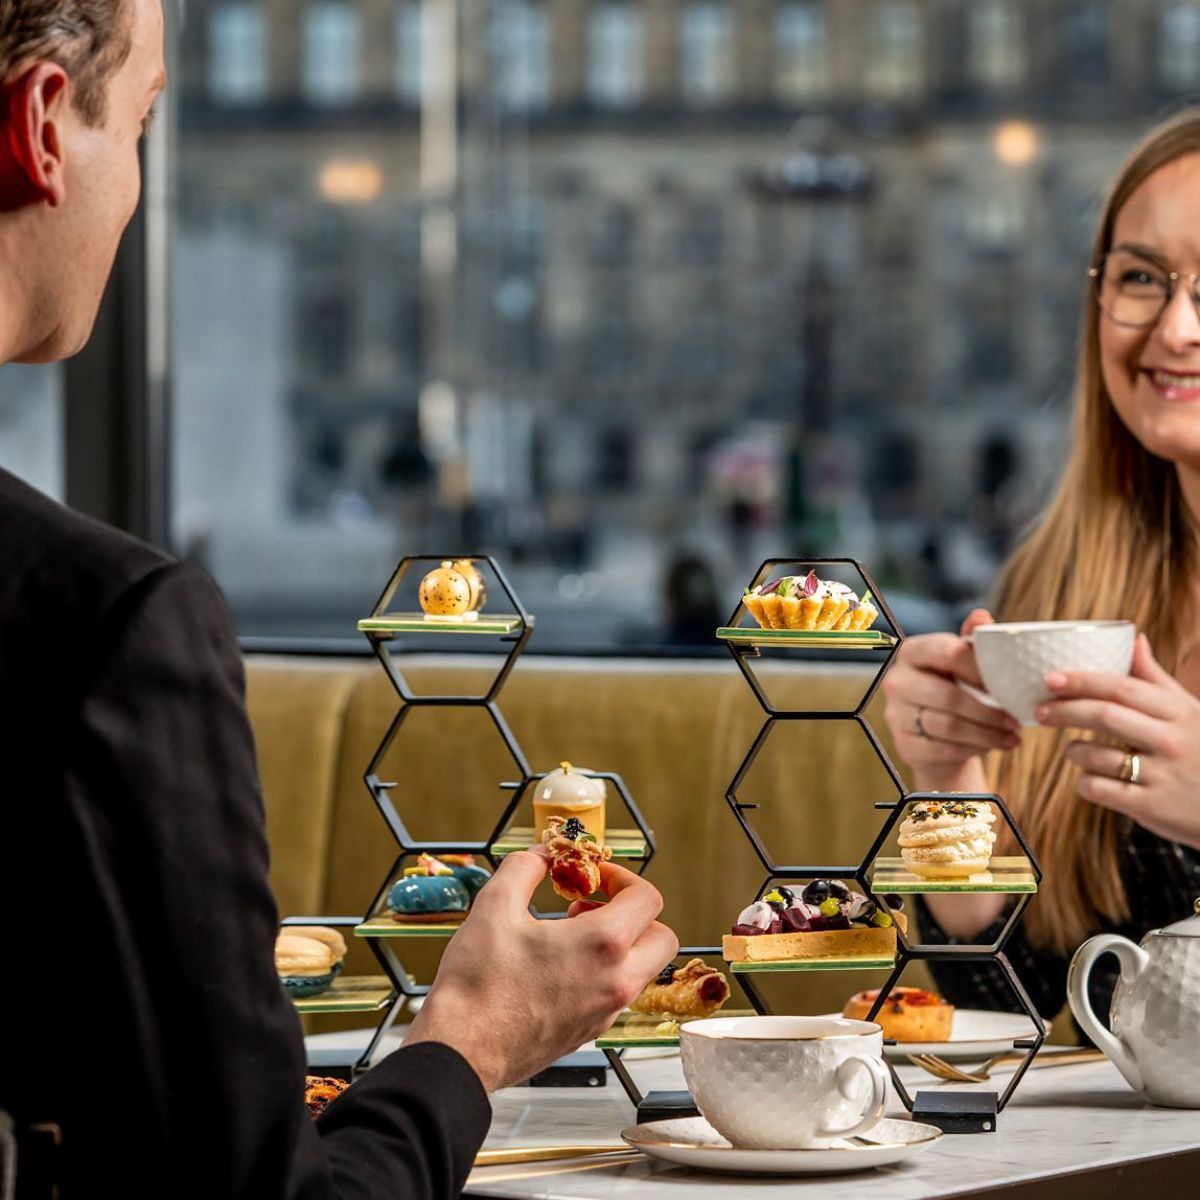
<point x="378" y="927"/>
<point x="1010" y="875"/>
<point x="825" y="639"/>
<point x="420" y="623"/>
<point x="624" y="843"/>
<point x="633" y="1029"/>
<point x="358" y="993"/>
<point x="814" y="964"/>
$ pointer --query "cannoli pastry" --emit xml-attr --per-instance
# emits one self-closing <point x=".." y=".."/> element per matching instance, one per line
<point x="947" y="839"/>
<point x="826" y="920"/>
<point x="320" y="1091"/>
<point x="694" y="990"/>
<point x="908" y="1014"/>
<point x="808" y="603"/>
<point x="575" y="858"/>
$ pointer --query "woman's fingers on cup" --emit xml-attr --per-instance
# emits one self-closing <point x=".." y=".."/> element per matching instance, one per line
<point x="1125" y="691"/>
<point x="940" y="725"/>
<point x="926" y="690"/>
<point x="947" y="654"/>
<point x="975" y="618"/>
<point x="1106" y="717"/>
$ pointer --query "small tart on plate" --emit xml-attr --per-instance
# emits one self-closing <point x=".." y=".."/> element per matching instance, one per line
<point x="908" y="1015"/>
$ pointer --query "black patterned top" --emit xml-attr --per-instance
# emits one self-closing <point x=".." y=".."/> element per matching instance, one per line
<point x="1162" y="880"/>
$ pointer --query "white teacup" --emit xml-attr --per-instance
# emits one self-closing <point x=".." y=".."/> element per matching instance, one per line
<point x="1015" y="656"/>
<point x="785" y="1083"/>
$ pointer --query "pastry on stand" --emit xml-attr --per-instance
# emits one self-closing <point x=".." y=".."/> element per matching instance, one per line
<point x="428" y="892"/>
<point x="693" y="990"/>
<point x="567" y="792"/>
<point x="455" y="591"/>
<point x="806" y="602"/>
<point x="947" y="839"/>
<point x="308" y="958"/>
<point x="825" y="920"/>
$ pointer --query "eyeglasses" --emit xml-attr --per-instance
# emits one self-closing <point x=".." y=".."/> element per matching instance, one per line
<point x="1134" y="291"/>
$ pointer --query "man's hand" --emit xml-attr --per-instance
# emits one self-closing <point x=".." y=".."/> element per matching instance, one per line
<point x="514" y="993"/>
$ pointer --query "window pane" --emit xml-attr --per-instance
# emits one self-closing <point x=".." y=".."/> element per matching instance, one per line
<point x="995" y="43"/>
<point x="895" y="69"/>
<point x="409" y="55"/>
<point x="707" y="53"/>
<point x="1180" y="45"/>
<point x="520" y="38"/>
<point x="31" y="426"/>
<point x="331" y="62"/>
<point x="615" y="55"/>
<point x="237" y="53"/>
<point x="802" y="51"/>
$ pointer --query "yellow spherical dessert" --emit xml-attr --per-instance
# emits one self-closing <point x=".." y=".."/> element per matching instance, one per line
<point x="445" y="592"/>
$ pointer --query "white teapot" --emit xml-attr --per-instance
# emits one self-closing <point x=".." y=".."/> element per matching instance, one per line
<point x="1155" y="1038"/>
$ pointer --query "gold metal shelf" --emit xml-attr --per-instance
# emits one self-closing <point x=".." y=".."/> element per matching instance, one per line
<point x="382" y="927"/>
<point x="1005" y="875"/>
<point x="824" y="639"/>
<point x="421" y="623"/>
<point x="358" y="993"/>
<point x="885" y="963"/>
<point x="624" y="843"/>
<point x="631" y="1029"/>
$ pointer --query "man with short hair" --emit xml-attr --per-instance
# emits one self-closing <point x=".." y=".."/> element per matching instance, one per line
<point x="146" y="1045"/>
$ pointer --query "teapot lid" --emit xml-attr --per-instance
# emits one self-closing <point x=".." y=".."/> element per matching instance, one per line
<point x="1188" y="927"/>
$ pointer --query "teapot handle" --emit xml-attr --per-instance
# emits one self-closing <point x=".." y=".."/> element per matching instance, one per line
<point x="1133" y="961"/>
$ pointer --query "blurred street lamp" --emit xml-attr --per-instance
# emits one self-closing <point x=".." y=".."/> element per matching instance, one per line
<point x="1016" y="143"/>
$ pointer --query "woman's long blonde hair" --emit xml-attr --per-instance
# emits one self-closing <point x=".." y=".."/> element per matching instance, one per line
<point x="1115" y="541"/>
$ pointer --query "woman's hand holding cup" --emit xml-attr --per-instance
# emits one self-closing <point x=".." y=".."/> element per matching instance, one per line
<point x="940" y="730"/>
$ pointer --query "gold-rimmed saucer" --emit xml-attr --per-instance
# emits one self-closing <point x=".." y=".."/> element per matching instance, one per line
<point x="693" y="1142"/>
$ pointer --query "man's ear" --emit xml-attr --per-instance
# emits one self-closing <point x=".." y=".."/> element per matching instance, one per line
<point x="31" y="137"/>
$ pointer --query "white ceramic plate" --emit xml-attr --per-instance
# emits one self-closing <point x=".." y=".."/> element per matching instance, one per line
<point x="975" y="1034"/>
<point x="693" y="1142"/>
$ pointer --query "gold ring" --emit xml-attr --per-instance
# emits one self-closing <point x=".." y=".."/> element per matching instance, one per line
<point x="1131" y="767"/>
<point x="917" y="725"/>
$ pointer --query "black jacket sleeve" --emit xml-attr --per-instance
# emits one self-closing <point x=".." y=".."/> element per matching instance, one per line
<point x="163" y="775"/>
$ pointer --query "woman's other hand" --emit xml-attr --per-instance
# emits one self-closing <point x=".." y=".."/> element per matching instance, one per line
<point x="1153" y="715"/>
<point x="939" y="729"/>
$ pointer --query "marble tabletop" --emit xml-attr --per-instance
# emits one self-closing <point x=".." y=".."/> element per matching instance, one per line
<point x="1061" y="1120"/>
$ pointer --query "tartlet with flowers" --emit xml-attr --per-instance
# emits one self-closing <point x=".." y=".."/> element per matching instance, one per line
<point x="807" y="602"/>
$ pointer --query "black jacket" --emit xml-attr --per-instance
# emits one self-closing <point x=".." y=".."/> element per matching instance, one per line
<point x="140" y="1010"/>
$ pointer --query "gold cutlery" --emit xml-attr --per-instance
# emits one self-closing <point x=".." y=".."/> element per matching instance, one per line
<point x="529" y="1154"/>
<point x="944" y="1070"/>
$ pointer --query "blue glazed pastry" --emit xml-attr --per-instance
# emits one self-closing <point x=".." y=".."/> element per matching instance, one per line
<point x="427" y="893"/>
<point x="308" y="958"/>
<point x="467" y="871"/>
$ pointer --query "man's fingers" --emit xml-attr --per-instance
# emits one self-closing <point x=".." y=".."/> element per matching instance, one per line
<point x="578" y="907"/>
<point x="515" y="880"/>
<point x="633" y="904"/>
<point x="656" y="946"/>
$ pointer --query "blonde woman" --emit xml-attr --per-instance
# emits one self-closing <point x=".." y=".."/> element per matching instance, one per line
<point x="1119" y="539"/>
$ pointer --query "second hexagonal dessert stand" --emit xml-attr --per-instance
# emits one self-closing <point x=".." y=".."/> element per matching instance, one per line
<point x="878" y="877"/>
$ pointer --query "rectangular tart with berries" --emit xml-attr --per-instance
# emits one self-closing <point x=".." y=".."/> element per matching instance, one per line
<point x="825" y="920"/>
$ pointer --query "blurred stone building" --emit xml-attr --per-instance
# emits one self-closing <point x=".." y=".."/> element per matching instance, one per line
<point x="592" y="283"/>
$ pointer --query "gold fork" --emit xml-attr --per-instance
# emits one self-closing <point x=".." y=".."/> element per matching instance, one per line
<point x="944" y="1070"/>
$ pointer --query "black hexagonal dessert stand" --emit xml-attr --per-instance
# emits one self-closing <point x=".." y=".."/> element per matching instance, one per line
<point x="879" y="877"/>
<point x="388" y="993"/>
